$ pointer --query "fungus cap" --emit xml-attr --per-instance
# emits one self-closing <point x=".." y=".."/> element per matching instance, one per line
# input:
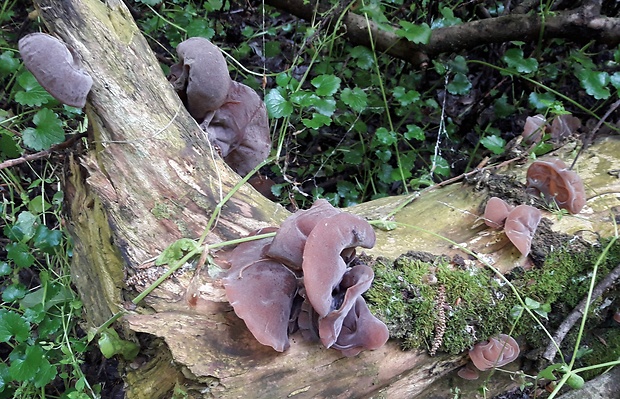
<point x="496" y="352"/>
<point x="56" y="68"/>
<point x="557" y="184"/>
<point x="521" y="225"/>
<point x="496" y="212"/>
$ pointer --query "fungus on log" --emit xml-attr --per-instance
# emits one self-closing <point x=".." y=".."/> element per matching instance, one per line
<point x="557" y="184"/>
<point x="56" y="67"/>
<point x="520" y="226"/>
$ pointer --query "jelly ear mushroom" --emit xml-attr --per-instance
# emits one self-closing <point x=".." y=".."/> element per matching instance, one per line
<point x="201" y="76"/>
<point x="496" y="352"/>
<point x="240" y="129"/>
<point x="261" y="292"/>
<point x="288" y="245"/>
<point x="322" y="264"/>
<point x="56" y="68"/>
<point x="496" y="212"/>
<point x="521" y="225"/>
<point x="557" y="184"/>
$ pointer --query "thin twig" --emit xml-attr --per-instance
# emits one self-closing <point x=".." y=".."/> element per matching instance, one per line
<point x="42" y="154"/>
<point x="577" y="313"/>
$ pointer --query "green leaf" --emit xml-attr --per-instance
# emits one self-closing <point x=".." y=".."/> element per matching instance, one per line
<point x="385" y="137"/>
<point x="595" y="83"/>
<point x="495" y="144"/>
<point x="353" y="155"/>
<point x="12" y="325"/>
<point x="514" y="58"/>
<point x="325" y="106"/>
<point x="199" y="27"/>
<point x="326" y="85"/>
<point x="111" y="344"/>
<point x="355" y="98"/>
<point x="547" y="373"/>
<point x="13" y="292"/>
<point x="414" y="132"/>
<point x="502" y="108"/>
<point x="442" y="167"/>
<point x="20" y="254"/>
<point x="33" y="94"/>
<point x="176" y="251"/>
<point x="384" y="155"/>
<point x="363" y="56"/>
<point x="405" y="97"/>
<point x="541" y="101"/>
<point x="277" y="105"/>
<point x="615" y="80"/>
<point x="9" y="148"/>
<point x="575" y="381"/>
<point x="24" y="228"/>
<point x="45" y="374"/>
<point x="38" y="205"/>
<point x="317" y="121"/>
<point x="150" y="2"/>
<point x="47" y="240"/>
<point x="5" y="269"/>
<point x="460" y="84"/>
<point x="419" y="34"/>
<point x="448" y="19"/>
<point x="8" y="63"/>
<point x="28" y="367"/>
<point x="48" y="132"/>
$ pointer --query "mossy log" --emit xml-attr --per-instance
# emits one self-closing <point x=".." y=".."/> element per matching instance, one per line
<point x="151" y="178"/>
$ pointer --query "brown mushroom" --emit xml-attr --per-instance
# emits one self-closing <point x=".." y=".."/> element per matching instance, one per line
<point x="360" y="330"/>
<point x="562" y="126"/>
<point x="56" y="67"/>
<point x="468" y="372"/>
<point x="557" y="184"/>
<point x="533" y="129"/>
<point x="322" y="264"/>
<point x="354" y="283"/>
<point x="288" y="245"/>
<point x="201" y="76"/>
<point x="521" y="225"/>
<point x="240" y="129"/>
<point x="261" y="292"/>
<point x="496" y="352"/>
<point x="495" y="212"/>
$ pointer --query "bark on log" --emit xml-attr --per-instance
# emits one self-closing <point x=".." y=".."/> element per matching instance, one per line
<point x="150" y="179"/>
<point x="581" y="24"/>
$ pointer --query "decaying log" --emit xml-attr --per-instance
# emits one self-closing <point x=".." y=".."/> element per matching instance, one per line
<point x="150" y="178"/>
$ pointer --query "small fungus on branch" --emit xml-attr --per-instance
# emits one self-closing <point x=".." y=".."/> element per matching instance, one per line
<point x="56" y="67"/>
<point x="319" y="291"/>
<point x="496" y="212"/>
<point x="557" y="184"/>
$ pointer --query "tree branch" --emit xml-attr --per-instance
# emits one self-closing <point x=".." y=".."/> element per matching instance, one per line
<point x="578" y="24"/>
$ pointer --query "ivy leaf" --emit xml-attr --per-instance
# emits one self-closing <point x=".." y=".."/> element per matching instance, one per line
<point x="595" y="83"/>
<point x="326" y="85"/>
<point x="13" y="293"/>
<point x="355" y="98"/>
<point x="414" y="132"/>
<point x="48" y="132"/>
<point x="8" y="63"/>
<point x="47" y="240"/>
<point x="460" y="84"/>
<point x="385" y="137"/>
<point x="419" y="34"/>
<point x="199" y="27"/>
<point x="363" y="56"/>
<point x="46" y="373"/>
<point x="494" y="143"/>
<point x="20" y="254"/>
<point x="317" y="121"/>
<point x="24" y="228"/>
<point x="176" y="251"/>
<point x="277" y="105"/>
<point x="33" y="94"/>
<point x="405" y="97"/>
<point x="325" y="106"/>
<point x="514" y="58"/>
<point x="12" y="325"/>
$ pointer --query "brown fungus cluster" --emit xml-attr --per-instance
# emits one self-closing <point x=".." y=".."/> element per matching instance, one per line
<point x="307" y="278"/>
<point x="232" y="114"/>
<point x="496" y="352"/>
<point x="519" y="223"/>
<point x="557" y="184"/>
